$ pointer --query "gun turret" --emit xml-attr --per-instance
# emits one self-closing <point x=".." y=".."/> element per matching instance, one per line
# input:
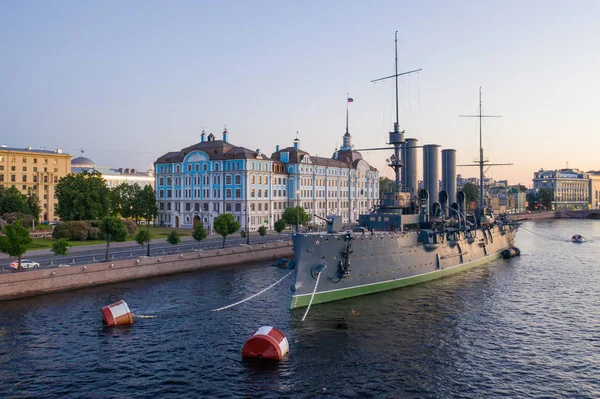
<point x="334" y="222"/>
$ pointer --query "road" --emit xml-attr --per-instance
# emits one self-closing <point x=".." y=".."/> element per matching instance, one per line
<point x="128" y="250"/>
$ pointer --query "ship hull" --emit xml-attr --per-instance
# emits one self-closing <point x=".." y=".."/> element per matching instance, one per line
<point x="386" y="261"/>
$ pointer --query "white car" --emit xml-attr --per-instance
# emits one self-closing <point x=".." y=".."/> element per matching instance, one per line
<point x="25" y="264"/>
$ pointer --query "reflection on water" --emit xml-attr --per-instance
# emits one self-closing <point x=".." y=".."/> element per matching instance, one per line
<point x="526" y="327"/>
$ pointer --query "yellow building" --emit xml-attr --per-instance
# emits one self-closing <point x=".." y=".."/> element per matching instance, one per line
<point x="38" y="170"/>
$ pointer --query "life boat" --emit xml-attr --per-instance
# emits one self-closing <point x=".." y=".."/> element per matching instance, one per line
<point x="578" y="238"/>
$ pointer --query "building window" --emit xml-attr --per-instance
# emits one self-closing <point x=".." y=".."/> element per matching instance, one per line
<point x="228" y="193"/>
<point x="188" y="206"/>
<point x="238" y="207"/>
<point x="259" y="193"/>
<point x="266" y="207"/>
<point x="189" y="168"/>
<point x="169" y="193"/>
<point x="13" y="168"/>
<point x="252" y="179"/>
<point x="228" y="179"/>
<point x="161" y="194"/>
<point x="251" y="192"/>
<point x="13" y="178"/>
<point x="197" y="207"/>
<point x="259" y="179"/>
<point x="252" y="207"/>
<point x="161" y="182"/>
<point x="238" y="193"/>
<point x="24" y="178"/>
<point x="260" y="206"/>
<point x="227" y="207"/>
<point x="205" y="207"/>
<point x="238" y="179"/>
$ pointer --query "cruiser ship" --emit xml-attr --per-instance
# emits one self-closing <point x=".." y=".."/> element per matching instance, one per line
<point x="412" y="236"/>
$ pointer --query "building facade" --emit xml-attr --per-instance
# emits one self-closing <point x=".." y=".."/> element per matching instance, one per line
<point x="571" y="187"/>
<point x="36" y="170"/>
<point x="199" y="182"/>
<point x="114" y="176"/>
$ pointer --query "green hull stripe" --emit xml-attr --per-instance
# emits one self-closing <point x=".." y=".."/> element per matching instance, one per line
<point x="328" y="296"/>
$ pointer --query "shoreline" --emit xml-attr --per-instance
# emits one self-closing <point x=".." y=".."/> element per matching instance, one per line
<point x="39" y="282"/>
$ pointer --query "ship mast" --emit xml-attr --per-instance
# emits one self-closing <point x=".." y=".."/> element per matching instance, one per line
<point x="396" y="137"/>
<point x="481" y="163"/>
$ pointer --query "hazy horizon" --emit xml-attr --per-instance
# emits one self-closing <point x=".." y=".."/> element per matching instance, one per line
<point x="128" y="82"/>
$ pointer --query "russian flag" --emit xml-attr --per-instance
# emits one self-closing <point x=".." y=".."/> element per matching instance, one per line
<point x="350" y="100"/>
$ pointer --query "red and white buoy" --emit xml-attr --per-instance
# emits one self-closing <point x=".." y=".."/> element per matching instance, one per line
<point x="266" y="343"/>
<point x="117" y="314"/>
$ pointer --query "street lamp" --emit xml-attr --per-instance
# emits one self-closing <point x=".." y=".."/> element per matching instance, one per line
<point x="297" y="209"/>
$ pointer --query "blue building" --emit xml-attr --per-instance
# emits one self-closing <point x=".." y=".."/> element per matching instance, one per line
<point x="213" y="176"/>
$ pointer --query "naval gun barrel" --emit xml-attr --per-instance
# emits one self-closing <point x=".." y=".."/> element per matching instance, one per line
<point x="329" y="221"/>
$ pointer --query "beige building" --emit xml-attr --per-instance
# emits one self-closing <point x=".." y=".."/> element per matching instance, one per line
<point x="37" y="170"/>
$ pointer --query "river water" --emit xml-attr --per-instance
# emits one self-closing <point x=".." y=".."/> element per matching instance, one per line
<point x="528" y="327"/>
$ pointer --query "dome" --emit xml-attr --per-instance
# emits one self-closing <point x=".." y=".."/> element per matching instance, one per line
<point x="82" y="162"/>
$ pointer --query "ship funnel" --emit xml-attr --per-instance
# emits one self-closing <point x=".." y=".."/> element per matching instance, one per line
<point x="431" y="176"/>
<point x="449" y="174"/>
<point x="409" y="171"/>
<point x="443" y="198"/>
<point x="436" y="209"/>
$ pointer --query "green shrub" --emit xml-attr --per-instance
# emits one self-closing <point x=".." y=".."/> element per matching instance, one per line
<point x="26" y="220"/>
<point x="94" y="233"/>
<point x="130" y="225"/>
<point x="72" y="230"/>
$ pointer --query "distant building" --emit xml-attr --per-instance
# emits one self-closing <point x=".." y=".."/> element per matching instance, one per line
<point x="570" y="187"/>
<point x="114" y="176"/>
<point x="37" y="170"/>
<point x="594" y="177"/>
<point x="199" y="182"/>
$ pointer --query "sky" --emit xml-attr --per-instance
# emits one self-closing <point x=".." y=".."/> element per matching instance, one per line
<point x="129" y="81"/>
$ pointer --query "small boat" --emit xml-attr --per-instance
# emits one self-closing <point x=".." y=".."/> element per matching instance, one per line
<point x="578" y="239"/>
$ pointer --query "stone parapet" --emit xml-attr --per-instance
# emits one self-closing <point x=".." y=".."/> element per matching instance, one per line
<point x="30" y="283"/>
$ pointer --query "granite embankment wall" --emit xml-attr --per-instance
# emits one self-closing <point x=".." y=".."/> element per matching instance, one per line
<point x="29" y="283"/>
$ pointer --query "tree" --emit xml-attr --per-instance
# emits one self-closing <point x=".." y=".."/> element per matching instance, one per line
<point x="471" y="192"/>
<point x="262" y="230"/>
<point x="33" y="202"/>
<point x="279" y="226"/>
<point x="145" y="207"/>
<point x="532" y="199"/>
<point x="546" y="196"/>
<point x="15" y="240"/>
<point x="295" y="216"/>
<point x="12" y="201"/>
<point x="113" y="229"/>
<point x="142" y="237"/>
<point x="82" y="196"/>
<point x="122" y="198"/>
<point x="173" y="238"/>
<point x="386" y="186"/>
<point x="225" y="224"/>
<point x="61" y="247"/>
<point x="199" y="232"/>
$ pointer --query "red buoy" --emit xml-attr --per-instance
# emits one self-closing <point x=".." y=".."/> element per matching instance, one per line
<point x="117" y="314"/>
<point x="266" y="343"/>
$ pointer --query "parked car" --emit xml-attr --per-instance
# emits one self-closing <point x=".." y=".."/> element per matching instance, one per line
<point x="25" y="264"/>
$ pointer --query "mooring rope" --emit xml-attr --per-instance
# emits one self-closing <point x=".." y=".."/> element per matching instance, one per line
<point x="252" y="296"/>
<point x="140" y="316"/>
<point x="543" y="236"/>
<point x="312" y="296"/>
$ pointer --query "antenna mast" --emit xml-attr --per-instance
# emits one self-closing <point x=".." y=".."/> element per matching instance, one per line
<point x="482" y="161"/>
<point x="397" y="136"/>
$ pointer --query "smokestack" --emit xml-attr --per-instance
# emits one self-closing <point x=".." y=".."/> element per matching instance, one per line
<point x="449" y="174"/>
<point x="277" y="148"/>
<point x="409" y="171"/>
<point x="431" y="175"/>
